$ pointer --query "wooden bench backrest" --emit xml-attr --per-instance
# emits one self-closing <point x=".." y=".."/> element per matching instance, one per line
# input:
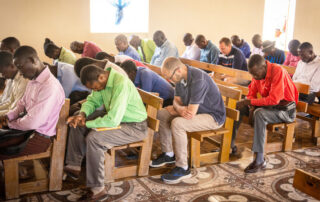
<point x="63" y="116"/>
<point x="153" y="104"/>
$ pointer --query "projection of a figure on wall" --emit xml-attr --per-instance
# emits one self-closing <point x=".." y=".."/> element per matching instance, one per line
<point x="114" y="16"/>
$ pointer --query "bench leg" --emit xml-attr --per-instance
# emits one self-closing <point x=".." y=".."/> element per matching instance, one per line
<point x="288" y="139"/>
<point x="145" y="155"/>
<point x="39" y="169"/>
<point x="316" y="131"/>
<point x="11" y="175"/>
<point x="194" y="153"/>
<point x="109" y="165"/>
<point x="225" y="147"/>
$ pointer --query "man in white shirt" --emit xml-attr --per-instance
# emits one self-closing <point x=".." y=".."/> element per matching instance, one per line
<point x="257" y="43"/>
<point x="15" y="86"/>
<point x="308" y="68"/>
<point x="192" y="51"/>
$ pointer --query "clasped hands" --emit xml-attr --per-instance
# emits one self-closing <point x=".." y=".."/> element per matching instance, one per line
<point x="78" y="120"/>
<point x="182" y="111"/>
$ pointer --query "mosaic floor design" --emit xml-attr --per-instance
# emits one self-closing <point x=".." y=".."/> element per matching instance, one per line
<point x="213" y="183"/>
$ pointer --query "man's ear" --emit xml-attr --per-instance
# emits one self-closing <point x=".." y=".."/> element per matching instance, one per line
<point x="101" y="78"/>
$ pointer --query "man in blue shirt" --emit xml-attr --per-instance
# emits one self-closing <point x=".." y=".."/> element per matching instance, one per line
<point x="123" y="47"/>
<point x="231" y="56"/>
<point x="242" y="45"/>
<point x="149" y="81"/>
<point x="197" y="106"/>
<point x="71" y="84"/>
<point x="164" y="49"/>
<point x="272" y="54"/>
<point x="209" y="52"/>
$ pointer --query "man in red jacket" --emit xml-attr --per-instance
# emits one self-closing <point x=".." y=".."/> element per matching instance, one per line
<point x="274" y="84"/>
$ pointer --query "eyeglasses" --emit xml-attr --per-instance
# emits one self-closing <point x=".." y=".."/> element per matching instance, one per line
<point x="174" y="71"/>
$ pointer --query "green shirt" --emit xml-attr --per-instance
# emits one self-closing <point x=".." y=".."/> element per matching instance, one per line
<point x="148" y="47"/>
<point x="120" y="99"/>
<point x="67" y="56"/>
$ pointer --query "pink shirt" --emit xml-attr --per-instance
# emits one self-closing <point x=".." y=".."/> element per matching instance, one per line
<point x="90" y="49"/>
<point x="41" y="105"/>
<point x="291" y="60"/>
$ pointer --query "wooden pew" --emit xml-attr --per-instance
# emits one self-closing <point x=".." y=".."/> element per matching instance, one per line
<point x="231" y="96"/>
<point x="44" y="181"/>
<point x="289" y="127"/>
<point x="153" y="104"/>
<point x="307" y="183"/>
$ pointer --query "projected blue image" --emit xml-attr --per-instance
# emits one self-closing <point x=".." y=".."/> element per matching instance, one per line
<point x="119" y="5"/>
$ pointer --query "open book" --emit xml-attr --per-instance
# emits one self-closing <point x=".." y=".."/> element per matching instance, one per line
<point x="106" y="128"/>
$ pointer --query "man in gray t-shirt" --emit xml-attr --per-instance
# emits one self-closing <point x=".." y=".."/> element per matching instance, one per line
<point x="197" y="106"/>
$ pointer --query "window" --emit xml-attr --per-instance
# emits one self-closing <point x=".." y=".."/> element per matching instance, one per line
<point x="278" y="24"/>
<point x="114" y="16"/>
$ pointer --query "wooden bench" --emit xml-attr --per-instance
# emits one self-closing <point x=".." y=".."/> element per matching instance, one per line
<point x="289" y="127"/>
<point x="43" y="181"/>
<point x="231" y="96"/>
<point x="307" y="183"/>
<point x="153" y="104"/>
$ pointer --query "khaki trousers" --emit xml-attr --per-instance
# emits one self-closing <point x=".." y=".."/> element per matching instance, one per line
<point x="174" y="128"/>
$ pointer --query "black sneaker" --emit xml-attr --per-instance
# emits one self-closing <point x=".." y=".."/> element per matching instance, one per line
<point x="176" y="175"/>
<point x="162" y="160"/>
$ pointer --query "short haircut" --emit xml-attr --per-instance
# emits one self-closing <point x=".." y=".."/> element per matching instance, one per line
<point x="25" y="51"/>
<point x="159" y="34"/>
<point x="11" y="42"/>
<point x="226" y="41"/>
<point x="255" y="60"/>
<point x="256" y="37"/>
<point x="199" y="38"/>
<point x="128" y="66"/>
<point x="6" y="59"/>
<point x="49" y="47"/>
<point x="90" y="73"/>
<point x="171" y="63"/>
<point x="80" y="63"/>
<point x="102" y="55"/>
<point x="293" y="45"/>
<point x="121" y="38"/>
<point x="306" y="45"/>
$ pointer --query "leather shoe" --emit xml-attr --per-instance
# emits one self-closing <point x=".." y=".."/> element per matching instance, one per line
<point x="233" y="150"/>
<point x="74" y="174"/>
<point x="101" y="196"/>
<point x="254" y="167"/>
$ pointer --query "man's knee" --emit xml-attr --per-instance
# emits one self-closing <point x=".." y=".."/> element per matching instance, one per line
<point x="92" y="137"/>
<point x="163" y="115"/>
<point x="177" y="123"/>
<point x="259" y="113"/>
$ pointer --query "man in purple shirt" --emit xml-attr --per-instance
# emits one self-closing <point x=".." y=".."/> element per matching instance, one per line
<point x="39" y="108"/>
<point x="123" y="47"/>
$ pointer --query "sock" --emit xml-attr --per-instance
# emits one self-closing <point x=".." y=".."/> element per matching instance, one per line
<point x="259" y="157"/>
<point x="96" y="190"/>
<point x="77" y="168"/>
<point x="170" y="154"/>
<point x="185" y="167"/>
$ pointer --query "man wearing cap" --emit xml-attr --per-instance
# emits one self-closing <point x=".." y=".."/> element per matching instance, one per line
<point x="272" y="54"/>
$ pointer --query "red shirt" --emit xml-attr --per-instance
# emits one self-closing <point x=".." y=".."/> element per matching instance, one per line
<point x="275" y="87"/>
<point x="138" y="63"/>
<point x="90" y="49"/>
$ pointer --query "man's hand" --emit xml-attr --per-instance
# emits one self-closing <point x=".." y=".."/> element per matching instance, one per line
<point x="183" y="111"/>
<point x="4" y="121"/>
<point x="78" y="120"/>
<point x="171" y="110"/>
<point x="243" y="103"/>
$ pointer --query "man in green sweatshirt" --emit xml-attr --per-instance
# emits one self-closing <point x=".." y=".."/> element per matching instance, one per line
<point x="124" y="108"/>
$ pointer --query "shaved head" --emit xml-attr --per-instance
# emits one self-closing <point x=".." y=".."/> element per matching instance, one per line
<point x="10" y="44"/>
<point x="135" y="41"/>
<point x="201" y="41"/>
<point x="159" y="38"/>
<point x="187" y="39"/>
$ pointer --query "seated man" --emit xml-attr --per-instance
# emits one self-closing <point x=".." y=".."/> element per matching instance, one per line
<point x="197" y="105"/>
<point x="103" y="64"/>
<point x="117" y="59"/>
<point x="124" y="108"/>
<point x="308" y="71"/>
<point x="71" y="84"/>
<point x="292" y="58"/>
<point x="124" y="48"/>
<point x="40" y="106"/>
<point x="209" y="52"/>
<point x="274" y="84"/>
<point x="272" y="54"/>
<point x="58" y="53"/>
<point x="192" y="51"/>
<point x="86" y="49"/>
<point x="164" y="49"/>
<point x="231" y="56"/>
<point x="257" y="42"/>
<point x="242" y="45"/>
<point x="149" y="81"/>
<point x="15" y="86"/>
<point x="145" y="47"/>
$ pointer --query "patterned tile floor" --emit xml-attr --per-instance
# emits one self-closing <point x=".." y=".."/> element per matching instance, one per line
<point x="219" y="182"/>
